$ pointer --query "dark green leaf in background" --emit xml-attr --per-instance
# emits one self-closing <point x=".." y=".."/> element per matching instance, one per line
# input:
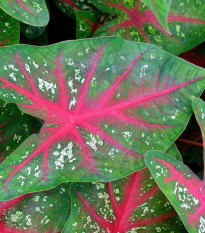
<point x="68" y="6"/>
<point x="15" y="127"/>
<point x="9" y="29"/>
<point x="30" y="31"/>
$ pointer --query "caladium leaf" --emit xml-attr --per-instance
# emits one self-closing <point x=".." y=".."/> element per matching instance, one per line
<point x="9" y="30"/>
<point x="15" y="127"/>
<point x="30" y="12"/>
<point x="105" y="102"/>
<point x="45" y="211"/>
<point x="40" y="40"/>
<point x="160" y="9"/>
<point x="135" y="21"/>
<point x="68" y="6"/>
<point x="181" y="186"/>
<point x="131" y="204"/>
<point x="87" y="22"/>
<point x="30" y="31"/>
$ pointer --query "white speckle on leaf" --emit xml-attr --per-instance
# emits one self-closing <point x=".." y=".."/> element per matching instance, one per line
<point x="17" y="216"/>
<point x="46" y="85"/>
<point x="66" y="152"/>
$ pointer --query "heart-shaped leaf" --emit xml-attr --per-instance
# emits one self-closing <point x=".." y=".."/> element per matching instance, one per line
<point x="160" y="9"/>
<point x="44" y="212"/>
<point x="105" y="102"/>
<point x="30" y="12"/>
<point x="135" y="21"/>
<point x="68" y="6"/>
<point x="9" y="30"/>
<point x="182" y="187"/>
<point x="15" y="127"/>
<point x="131" y="204"/>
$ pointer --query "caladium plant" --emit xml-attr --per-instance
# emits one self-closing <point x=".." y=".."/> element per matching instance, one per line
<point x="9" y="29"/>
<point x="135" y="21"/>
<point x="131" y="204"/>
<point x="104" y="102"/>
<point x="45" y="212"/>
<point x="30" y="12"/>
<point x="182" y="187"/>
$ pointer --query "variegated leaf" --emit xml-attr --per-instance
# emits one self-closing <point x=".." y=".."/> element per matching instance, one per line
<point x="105" y="102"/>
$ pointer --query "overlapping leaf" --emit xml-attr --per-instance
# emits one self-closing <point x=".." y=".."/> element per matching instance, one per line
<point x="135" y="21"/>
<point x="9" y="30"/>
<point x="40" y="212"/>
<point x="30" y="12"/>
<point x="160" y="9"/>
<point x="182" y="187"/>
<point x="68" y="6"/>
<point x="41" y="40"/>
<point x="131" y="204"/>
<point x="104" y="103"/>
<point x="15" y="127"/>
<point x="31" y="32"/>
<point x="87" y="22"/>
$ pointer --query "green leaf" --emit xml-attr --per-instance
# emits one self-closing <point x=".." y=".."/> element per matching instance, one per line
<point x="44" y="212"/>
<point x="136" y="22"/>
<point x="30" y="31"/>
<point x="30" y="12"/>
<point x="40" y="40"/>
<point x="160" y="9"/>
<point x="87" y="22"/>
<point x="105" y="102"/>
<point x="68" y="7"/>
<point x="131" y="204"/>
<point x="9" y="30"/>
<point x="15" y="127"/>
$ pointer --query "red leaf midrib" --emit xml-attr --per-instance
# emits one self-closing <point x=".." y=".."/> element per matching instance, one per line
<point x="66" y="120"/>
<point x="126" y="104"/>
<point x="196" y="190"/>
<point x="123" y="212"/>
